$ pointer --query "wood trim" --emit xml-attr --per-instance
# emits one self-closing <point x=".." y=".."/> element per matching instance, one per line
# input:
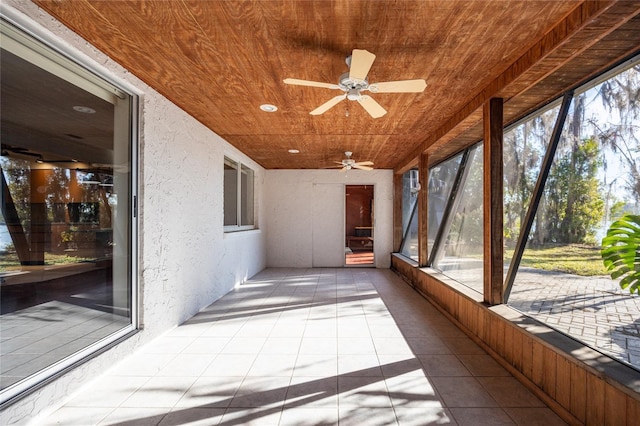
<point x="571" y="25"/>
<point x="423" y="210"/>
<point x="567" y="378"/>
<point x="493" y="201"/>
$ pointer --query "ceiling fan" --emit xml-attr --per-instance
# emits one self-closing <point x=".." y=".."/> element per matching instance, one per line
<point x="355" y="81"/>
<point x="349" y="163"/>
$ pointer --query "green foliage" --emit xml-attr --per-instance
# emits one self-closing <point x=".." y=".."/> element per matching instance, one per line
<point x="576" y="206"/>
<point x="620" y="252"/>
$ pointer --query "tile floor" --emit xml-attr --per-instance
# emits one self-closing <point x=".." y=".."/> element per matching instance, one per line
<point x="310" y="347"/>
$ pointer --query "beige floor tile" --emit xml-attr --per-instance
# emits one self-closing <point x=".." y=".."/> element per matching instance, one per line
<point x="168" y="345"/>
<point x="443" y="365"/>
<point x="392" y="345"/>
<point x="142" y="416"/>
<point x="319" y="345"/>
<point x="463" y="346"/>
<point x="482" y="365"/>
<point x="113" y="391"/>
<point x="230" y="365"/>
<point x="395" y="365"/>
<point x="363" y="392"/>
<point x="359" y="365"/>
<point x="261" y="416"/>
<point x="187" y="365"/>
<point x="431" y="416"/>
<point x="76" y="416"/>
<point x="534" y="416"/>
<point x="481" y="417"/>
<point x="273" y="365"/>
<point x="207" y="345"/>
<point x="313" y="365"/>
<point x="210" y="392"/>
<point x="462" y="392"/>
<point x="141" y="364"/>
<point x="356" y="345"/>
<point x="312" y="392"/>
<point x="244" y="345"/>
<point x="257" y="392"/>
<point x="309" y="416"/>
<point x="281" y="345"/>
<point x="159" y="392"/>
<point x="367" y="416"/>
<point x="193" y="416"/>
<point x="509" y="392"/>
<point x="412" y="391"/>
<point x="428" y="345"/>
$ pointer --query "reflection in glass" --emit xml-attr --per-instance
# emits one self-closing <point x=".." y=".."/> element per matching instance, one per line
<point x="441" y="181"/>
<point x="246" y="192"/>
<point x="460" y="257"/>
<point x="409" y="245"/>
<point x="65" y="234"/>
<point x="230" y="192"/>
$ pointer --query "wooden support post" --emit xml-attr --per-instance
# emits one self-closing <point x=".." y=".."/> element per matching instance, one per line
<point x="493" y="202"/>
<point x="40" y="231"/>
<point x="423" y="235"/>
<point x="397" y="211"/>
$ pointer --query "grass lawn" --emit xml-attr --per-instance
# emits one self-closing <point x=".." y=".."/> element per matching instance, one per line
<point x="573" y="259"/>
<point x="10" y="262"/>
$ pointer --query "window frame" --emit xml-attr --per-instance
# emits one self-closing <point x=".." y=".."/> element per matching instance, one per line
<point x="241" y="198"/>
<point x="23" y="37"/>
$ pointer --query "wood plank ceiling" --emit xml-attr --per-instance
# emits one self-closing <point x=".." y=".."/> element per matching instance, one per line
<point x="220" y="60"/>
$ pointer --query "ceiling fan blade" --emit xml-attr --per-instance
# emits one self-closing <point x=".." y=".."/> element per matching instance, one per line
<point x="371" y="106"/>
<point x="327" y="105"/>
<point x="364" y="163"/>
<point x="361" y="62"/>
<point x="401" y="86"/>
<point x="361" y="167"/>
<point x="299" y="82"/>
<point x="344" y="169"/>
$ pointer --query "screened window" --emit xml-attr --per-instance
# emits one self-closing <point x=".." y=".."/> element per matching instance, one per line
<point x="441" y="180"/>
<point x="410" y="187"/>
<point x="592" y="181"/>
<point x="525" y="145"/>
<point x="66" y="235"/>
<point x="238" y="196"/>
<point x="459" y="253"/>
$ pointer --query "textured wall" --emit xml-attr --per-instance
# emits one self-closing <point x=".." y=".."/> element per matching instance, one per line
<point x="288" y="201"/>
<point x="185" y="260"/>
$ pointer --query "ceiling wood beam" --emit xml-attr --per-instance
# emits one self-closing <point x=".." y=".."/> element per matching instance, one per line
<point x="587" y="24"/>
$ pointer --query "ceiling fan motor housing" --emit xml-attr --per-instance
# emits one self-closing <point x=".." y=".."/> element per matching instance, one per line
<point x="352" y="85"/>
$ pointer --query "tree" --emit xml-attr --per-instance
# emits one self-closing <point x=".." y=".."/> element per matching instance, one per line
<point x="575" y="205"/>
<point x="619" y="131"/>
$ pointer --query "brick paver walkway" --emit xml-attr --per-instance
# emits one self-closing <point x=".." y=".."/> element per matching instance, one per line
<point x="594" y="310"/>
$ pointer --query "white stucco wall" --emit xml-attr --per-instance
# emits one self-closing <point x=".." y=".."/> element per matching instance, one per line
<point x="185" y="260"/>
<point x="288" y="212"/>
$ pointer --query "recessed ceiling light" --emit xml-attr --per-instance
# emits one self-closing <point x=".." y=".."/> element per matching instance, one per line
<point x="268" y="108"/>
<point x="84" y="109"/>
<point x="294" y="151"/>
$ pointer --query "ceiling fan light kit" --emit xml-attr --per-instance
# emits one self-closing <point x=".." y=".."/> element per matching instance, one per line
<point x="355" y="81"/>
<point x="349" y="163"/>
